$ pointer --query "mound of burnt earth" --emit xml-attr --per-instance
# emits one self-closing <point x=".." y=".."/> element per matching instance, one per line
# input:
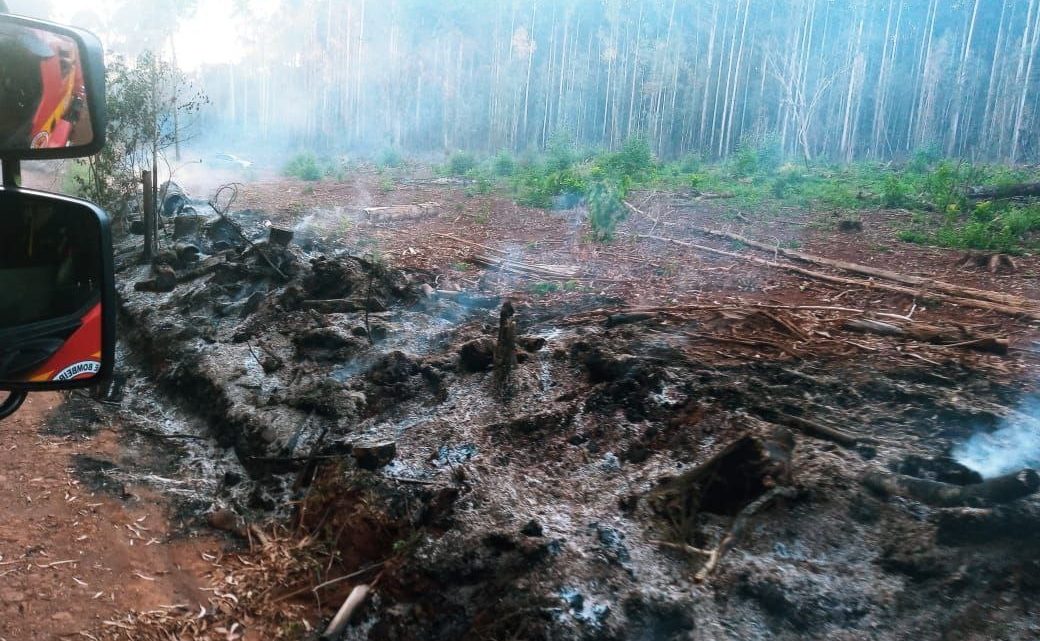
<point x="257" y="337"/>
<point x="507" y="471"/>
<point x="619" y="486"/>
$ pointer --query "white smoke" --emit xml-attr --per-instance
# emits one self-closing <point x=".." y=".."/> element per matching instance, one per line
<point x="1012" y="447"/>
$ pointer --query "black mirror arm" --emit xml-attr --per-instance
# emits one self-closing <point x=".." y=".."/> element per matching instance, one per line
<point x="12" y="170"/>
<point x="12" y="404"/>
<point x="12" y="176"/>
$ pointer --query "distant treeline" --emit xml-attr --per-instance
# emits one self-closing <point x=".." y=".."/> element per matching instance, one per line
<point x="840" y="80"/>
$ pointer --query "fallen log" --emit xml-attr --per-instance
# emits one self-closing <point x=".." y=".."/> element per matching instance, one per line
<point x="1019" y="190"/>
<point x="875" y="272"/>
<point x="546" y="272"/>
<point x="948" y="337"/>
<point x="1002" y="489"/>
<point x="972" y="525"/>
<point x="402" y="212"/>
<point x="1032" y="313"/>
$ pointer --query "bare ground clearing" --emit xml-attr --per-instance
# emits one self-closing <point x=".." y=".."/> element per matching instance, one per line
<point x="677" y="451"/>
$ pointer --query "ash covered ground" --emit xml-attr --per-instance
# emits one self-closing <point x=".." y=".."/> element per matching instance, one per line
<point x="509" y="432"/>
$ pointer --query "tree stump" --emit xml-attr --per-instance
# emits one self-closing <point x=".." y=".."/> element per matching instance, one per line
<point x="505" y="350"/>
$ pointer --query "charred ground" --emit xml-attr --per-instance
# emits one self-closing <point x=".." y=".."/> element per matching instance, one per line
<point x="679" y="451"/>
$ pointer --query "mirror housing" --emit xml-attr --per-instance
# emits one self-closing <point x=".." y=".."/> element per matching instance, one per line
<point x="52" y="91"/>
<point x="57" y="312"/>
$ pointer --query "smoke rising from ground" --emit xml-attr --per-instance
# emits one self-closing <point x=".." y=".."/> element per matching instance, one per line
<point x="1012" y="447"/>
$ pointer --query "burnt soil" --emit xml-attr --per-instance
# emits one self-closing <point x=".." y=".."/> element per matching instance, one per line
<point x="561" y="500"/>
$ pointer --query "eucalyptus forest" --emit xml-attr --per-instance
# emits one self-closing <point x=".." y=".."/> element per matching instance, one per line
<point x="858" y="79"/>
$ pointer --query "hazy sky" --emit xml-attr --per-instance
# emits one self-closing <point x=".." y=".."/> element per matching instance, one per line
<point x="209" y="36"/>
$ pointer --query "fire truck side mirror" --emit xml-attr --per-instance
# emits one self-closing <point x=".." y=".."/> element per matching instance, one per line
<point x="57" y="308"/>
<point x="52" y="91"/>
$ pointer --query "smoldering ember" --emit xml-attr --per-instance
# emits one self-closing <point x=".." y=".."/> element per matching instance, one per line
<point x="575" y="320"/>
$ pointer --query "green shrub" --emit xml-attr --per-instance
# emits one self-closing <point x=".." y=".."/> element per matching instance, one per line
<point x="561" y="154"/>
<point x="923" y="159"/>
<point x="303" y="166"/>
<point x="76" y="178"/>
<point x="760" y="153"/>
<point x="974" y="235"/>
<point x="1021" y="221"/>
<point x="942" y="186"/>
<point x="545" y="189"/>
<point x="336" y="168"/>
<point x="690" y="164"/>
<point x="788" y="182"/>
<point x="606" y="208"/>
<point x="745" y="161"/>
<point x="634" y="161"/>
<point x="913" y="236"/>
<point x="504" y="165"/>
<point x="482" y="184"/>
<point x="895" y="192"/>
<point x="461" y="163"/>
<point x="390" y="158"/>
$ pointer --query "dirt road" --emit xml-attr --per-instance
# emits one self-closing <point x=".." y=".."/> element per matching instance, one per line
<point x="72" y="557"/>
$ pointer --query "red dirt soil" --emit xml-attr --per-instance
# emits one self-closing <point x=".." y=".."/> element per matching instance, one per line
<point x="69" y="558"/>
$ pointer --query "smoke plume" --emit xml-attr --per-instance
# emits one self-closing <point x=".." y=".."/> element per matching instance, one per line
<point x="1012" y="447"/>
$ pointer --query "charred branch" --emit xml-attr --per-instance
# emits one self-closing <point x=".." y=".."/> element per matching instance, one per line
<point x="1002" y="489"/>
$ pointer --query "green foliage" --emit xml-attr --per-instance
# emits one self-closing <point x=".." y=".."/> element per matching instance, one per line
<point x="943" y="187"/>
<point x="387" y="184"/>
<point x="913" y="236"/>
<point x="390" y="158"/>
<point x="635" y="160"/>
<point x="895" y="191"/>
<point x="482" y="184"/>
<point x="544" y="288"/>
<point x="606" y="208"/>
<point x="788" y="182"/>
<point x="75" y="178"/>
<point x="537" y="186"/>
<point x="757" y="154"/>
<point x="461" y="163"/>
<point x="337" y="168"/>
<point x="303" y="166"/>
<point x="989" y="227"/>
<point x="503" y="165"/>
<point x="690" y="164"/>
<point x="745" y="161"/>
<point x="561" y="154"/>
<point x="924" y="158"/>
<point x="143" y="101"/>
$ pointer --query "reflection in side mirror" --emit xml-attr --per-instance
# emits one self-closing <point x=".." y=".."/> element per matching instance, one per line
<point x="56" y="313"/>
<point x="51" y="91"/>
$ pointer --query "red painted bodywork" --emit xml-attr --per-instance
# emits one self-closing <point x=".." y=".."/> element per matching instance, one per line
<point x="62" y="88"/>
<point x="82" y="348"/>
